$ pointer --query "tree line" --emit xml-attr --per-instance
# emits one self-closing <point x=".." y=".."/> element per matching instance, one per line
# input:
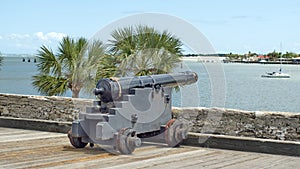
<point x="271" y="55"/>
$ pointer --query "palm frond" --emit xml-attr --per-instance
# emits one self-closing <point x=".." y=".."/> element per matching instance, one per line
<point x="67" y="53"/>
<point x="73" y="67"/>
<point x="50" y="85"/>
<point x="144" y="50"/>
<point x="48" y="62"/>
<point x="88" y="61"/>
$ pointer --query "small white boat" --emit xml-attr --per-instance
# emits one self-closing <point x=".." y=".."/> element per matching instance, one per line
<point x="276" y="75"/>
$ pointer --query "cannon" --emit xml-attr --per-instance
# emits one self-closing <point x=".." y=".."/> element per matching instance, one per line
<point x="129" y="109"/>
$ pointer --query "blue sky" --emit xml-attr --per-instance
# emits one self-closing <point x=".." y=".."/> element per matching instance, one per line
<point x="230" y="25"/>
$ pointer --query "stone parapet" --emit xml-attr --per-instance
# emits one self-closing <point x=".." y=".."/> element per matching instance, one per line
<point x="258" y="124"/>
<point x="62" y="109"/>
<point x="255" y="124"/>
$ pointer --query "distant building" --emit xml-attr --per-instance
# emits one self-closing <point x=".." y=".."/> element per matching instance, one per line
<point x="296" y="60"/>
<point x="252" y="58"/>
<point x="262" y="58"/>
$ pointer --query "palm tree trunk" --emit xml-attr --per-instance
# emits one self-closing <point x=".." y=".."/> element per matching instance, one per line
<point x="75" y="93"/>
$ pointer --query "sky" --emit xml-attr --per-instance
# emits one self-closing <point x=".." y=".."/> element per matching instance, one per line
<point x="229" y="25"/>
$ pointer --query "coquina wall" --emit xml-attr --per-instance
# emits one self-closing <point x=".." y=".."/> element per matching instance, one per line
<point x="42" y="107"/>
<point x="258" y="124"/>
<point x="271" y="125"/>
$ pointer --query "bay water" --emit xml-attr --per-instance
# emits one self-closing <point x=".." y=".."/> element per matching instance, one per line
<point x="239" y="86"/>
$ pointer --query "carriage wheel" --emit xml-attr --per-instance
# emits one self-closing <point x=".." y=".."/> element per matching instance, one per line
<point x="127" y="141"/>
<point x="76" y="141"/>
<point x="175" y="132"/>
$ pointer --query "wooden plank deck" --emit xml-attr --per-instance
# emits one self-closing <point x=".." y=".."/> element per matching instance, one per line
<point x="35" y="149"/>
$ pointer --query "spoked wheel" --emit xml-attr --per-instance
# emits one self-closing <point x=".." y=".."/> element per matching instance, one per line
<point x="175" y="132"/>
<point x="127" y="141"/>
<point x="76" y="141"/>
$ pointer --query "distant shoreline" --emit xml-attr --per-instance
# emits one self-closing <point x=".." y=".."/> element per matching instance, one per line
<point x="266" y="62"/>
<point x="213" y="59"/>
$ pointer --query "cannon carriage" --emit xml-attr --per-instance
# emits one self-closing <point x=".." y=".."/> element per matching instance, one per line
<point x="129" y="109"/>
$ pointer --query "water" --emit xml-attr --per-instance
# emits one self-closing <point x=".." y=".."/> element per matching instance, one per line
<point x="247" y="90"/>
<point x="15" y="76"/>
<point x="244" y="88"/>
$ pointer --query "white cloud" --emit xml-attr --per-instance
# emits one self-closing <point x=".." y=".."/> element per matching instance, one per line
<point x="55" y="35"/>
<point x="40" y="35"/>
<point x="49" y="36"/>
<point x="296" y="44"/>
<point x="31" y="42"/>
<point x="15" y="36"/>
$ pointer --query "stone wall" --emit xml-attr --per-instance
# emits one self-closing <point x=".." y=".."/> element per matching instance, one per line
<point x="271" y="125"/>
<point x="41" y="107"/>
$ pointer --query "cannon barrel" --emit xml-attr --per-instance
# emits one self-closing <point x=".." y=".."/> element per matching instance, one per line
<point x="110" y="89"/>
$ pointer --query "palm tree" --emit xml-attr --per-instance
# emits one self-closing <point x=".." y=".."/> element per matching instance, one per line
<point x="73" y="67"/>
<point x="142" y="50"/>
<point x="107" y="67"/>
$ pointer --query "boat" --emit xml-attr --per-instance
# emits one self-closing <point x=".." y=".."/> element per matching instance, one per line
<point x="276" y="75"/>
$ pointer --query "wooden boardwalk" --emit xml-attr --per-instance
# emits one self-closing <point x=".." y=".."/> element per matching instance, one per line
<point x="36" y="149"/>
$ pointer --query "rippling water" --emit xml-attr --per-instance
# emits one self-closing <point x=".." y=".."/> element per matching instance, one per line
<point x="244" y="88"/>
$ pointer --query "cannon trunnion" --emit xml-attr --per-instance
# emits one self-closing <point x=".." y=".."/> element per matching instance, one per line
<point x="129" y="109"/>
